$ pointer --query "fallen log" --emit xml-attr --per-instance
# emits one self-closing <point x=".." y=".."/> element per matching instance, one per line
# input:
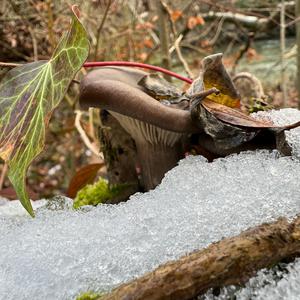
<point x="231" y="261"/>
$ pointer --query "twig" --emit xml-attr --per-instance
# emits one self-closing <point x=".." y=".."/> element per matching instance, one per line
<point x="216" y="36"/>
<point x="83" y="135"/>
<point x="169" y="11"/>
<point x="282" y="50"/>
<point x="13" y="50"/>
<point x="163" y="36"/>
<point x="100" y="27"/>
<point x="243" y="51"/>
<point x="234" y="10"/>
<point x="9" y="65"/>
<point x="91" y="122"/>
<point x="292" y="22"/>
<point x="50" y="24"/>
<point x="181" y="58"/>
<point x="194" y="48"/>
<point x="31" y="31"/>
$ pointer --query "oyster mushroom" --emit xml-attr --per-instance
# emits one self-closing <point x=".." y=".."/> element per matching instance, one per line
<point x="157" y="129"/>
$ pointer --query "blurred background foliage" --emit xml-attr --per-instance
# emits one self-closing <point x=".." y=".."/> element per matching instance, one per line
<point x="175" y="34"/>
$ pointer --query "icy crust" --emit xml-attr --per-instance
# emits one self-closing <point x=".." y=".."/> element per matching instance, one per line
<point x="63" y="252"/>
<point x="278" y="283"/>
<point x="283" y="117"/>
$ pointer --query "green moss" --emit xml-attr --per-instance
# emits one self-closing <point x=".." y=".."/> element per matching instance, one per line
<point x="256" y="105"/>
<point x="99" y="192"/>
<point x="89" y="296"/>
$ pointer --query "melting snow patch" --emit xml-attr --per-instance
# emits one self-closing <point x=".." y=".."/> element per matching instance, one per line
<point x="284" y="117"/>
<point x="63" y="252"/>
<point x="14" y="208"/>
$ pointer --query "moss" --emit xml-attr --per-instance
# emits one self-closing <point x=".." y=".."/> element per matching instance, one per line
<point x="99" y="192"/>
<point x="89" y="296"/>
<point x="256" y="105"/>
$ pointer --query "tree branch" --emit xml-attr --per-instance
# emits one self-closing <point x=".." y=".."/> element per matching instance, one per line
<point x="227" y="262"/>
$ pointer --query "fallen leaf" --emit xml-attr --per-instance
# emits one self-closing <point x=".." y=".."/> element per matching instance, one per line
<point x="233" y="116"/>
<point x="10" y="193"/>
<point x="83" y="176"/>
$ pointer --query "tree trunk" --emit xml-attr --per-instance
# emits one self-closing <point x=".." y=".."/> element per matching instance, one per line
<point x="282" y="52"/>
<point x="227" y="262"/>
<point x="163" y="36"/>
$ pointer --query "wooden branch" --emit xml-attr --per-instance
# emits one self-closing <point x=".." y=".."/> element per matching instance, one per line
<point x="91" y="146"/>
<point x="9" y="65"/>
<point x="101" y="27"/>
<point x="229" y="261"/>
<point x="30" y="30"/>
<point x="282" y="51"/>
<point x="181" y="58"/>
<point x="163" y="36"/>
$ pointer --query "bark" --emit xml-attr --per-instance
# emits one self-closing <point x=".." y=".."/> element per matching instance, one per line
<point x="163" y="36"/>
<point x="227" y="262"/>
<point x="120" y="156"/>
<point x="282" y="52"/>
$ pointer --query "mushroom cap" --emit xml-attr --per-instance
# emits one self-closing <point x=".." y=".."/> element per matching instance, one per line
<point x="117" y="91"/>
<point x="125" y="75"/>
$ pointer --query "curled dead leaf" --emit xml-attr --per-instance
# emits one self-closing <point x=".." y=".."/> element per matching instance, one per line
<point x="83" y="176"/>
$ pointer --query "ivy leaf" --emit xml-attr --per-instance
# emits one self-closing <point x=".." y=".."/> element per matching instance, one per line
<point x="28" y="95"/>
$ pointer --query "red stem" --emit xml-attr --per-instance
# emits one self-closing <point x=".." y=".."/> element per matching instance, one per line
<point x="94" y="64"/>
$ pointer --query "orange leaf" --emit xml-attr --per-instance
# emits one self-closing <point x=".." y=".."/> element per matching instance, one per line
<point x="175" y="15"/>
<point x="194" y="21"/>
<point x="10" y="193"/>
<point x="143" y="56"/>
<point x="200" y="20"/>
<point x="83" y="176"/>
<point x="148" y="43"/>
<point x="191" y="23"/>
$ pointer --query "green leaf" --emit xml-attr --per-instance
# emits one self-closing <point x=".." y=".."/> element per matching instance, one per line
<point x="28" y="95"/>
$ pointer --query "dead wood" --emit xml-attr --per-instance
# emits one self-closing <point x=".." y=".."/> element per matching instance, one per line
<point x="230" y="261"/>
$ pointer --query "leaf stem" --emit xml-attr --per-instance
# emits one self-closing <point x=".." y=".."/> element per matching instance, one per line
<point x="95" y="64"/>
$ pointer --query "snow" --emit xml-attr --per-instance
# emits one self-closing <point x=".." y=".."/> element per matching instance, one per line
<point x="14" y="208"/>
<point x="284" y="117"/>
<point x="63" y="252"/>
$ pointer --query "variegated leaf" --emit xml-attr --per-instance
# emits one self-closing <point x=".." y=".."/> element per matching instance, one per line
<point x="28" y="95"/>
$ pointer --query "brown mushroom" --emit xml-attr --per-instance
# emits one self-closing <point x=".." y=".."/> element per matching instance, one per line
<point x="157" y="129"/>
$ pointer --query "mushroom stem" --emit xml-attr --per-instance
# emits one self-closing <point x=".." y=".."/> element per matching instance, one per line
<point x="156" y="160"/>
